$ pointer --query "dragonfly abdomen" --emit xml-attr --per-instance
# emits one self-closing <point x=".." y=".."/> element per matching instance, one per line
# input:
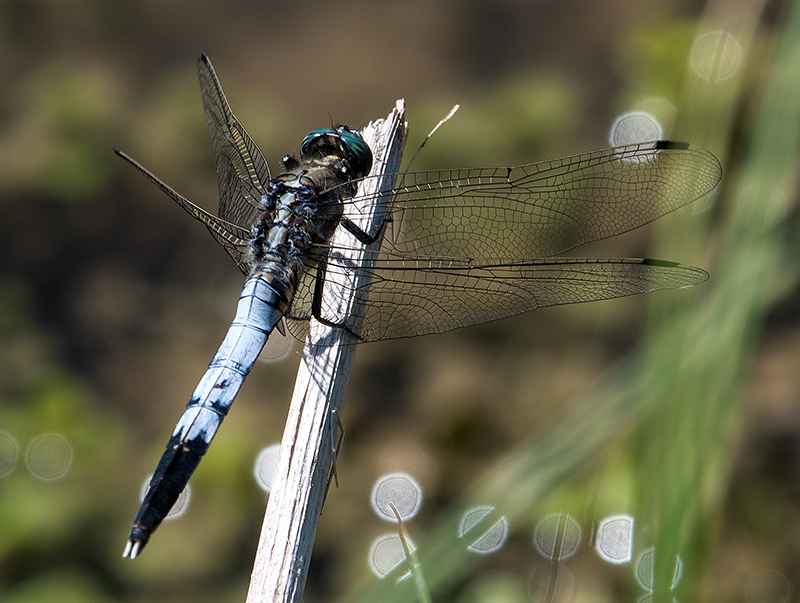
<point x="265" y="296"/>
<point x="264" y="299"/>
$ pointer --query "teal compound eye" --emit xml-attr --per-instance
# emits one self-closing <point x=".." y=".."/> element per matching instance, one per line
<point x="343" y="142"/>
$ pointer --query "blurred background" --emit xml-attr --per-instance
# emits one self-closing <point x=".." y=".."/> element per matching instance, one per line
<point x="673" y="418"/>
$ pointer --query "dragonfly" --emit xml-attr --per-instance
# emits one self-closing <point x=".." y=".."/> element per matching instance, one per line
<point x="452" y="248"/>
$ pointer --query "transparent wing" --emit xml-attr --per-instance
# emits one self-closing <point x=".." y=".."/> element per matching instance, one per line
<point x="545" y="208"/>
<point x="233" y="238"/>
<point x="407" y="298"/>
<point x="242" y="171"/>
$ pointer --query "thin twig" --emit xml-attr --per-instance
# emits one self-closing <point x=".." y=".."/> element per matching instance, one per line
<point x="306" y="454"/>
<point x="431" y="133"/>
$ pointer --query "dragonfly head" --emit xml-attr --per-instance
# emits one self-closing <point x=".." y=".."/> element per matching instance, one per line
<point x="342" y="142"/>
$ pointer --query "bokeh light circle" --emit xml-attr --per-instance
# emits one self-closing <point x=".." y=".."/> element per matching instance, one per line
<point x="493" y="533"/>
<point x="716" y="56"/>
<point x="386" y="554"/>
<point x="614" y="539"/>
<point x="400" y="490"/>
<point x="9" y="453"/>
<point x="551" y="585"/>
<point x="635" y="127"/>
<point x="557" y="536"/>
<point x="645" y="569"/>
<point x="180" y="506"/>
<point x="264" y="467"/>
<point x="49" y="457"/>
<point x="277" y="348"/>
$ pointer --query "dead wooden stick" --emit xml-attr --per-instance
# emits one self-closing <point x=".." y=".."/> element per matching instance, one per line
<point x="307" y="449"/>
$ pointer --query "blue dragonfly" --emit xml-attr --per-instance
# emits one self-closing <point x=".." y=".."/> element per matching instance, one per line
<point x="462" y="247"/>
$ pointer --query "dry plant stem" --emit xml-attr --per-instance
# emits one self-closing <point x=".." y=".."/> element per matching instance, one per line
<point x="306" y="455"/>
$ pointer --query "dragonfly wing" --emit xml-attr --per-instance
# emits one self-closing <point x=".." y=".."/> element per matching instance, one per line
<point x="232" y="237"/>
<point x="300" y="309"/>
<point x="543" y="209"/>
<point x="242" y="171"/>
<point x="470" y="246"/>
<point x="418" y="297"/>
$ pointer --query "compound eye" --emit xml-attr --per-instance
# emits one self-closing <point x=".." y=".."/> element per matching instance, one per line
<point x="361" y="159"/>
<point x="342" y="142"/>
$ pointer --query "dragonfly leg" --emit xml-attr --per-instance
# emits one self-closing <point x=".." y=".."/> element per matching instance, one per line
<point x="336" y="447"/>
<point x="316" y="300"/>
<point x="363" y="236"/>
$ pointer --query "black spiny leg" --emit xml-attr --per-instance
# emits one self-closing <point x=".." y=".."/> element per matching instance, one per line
<point x="336" y="447"/>
<point x="316" y="300"/>
<point x="363" y="237"/>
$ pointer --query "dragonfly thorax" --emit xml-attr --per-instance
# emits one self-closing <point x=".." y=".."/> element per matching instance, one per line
<point x="302" y="209"/>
